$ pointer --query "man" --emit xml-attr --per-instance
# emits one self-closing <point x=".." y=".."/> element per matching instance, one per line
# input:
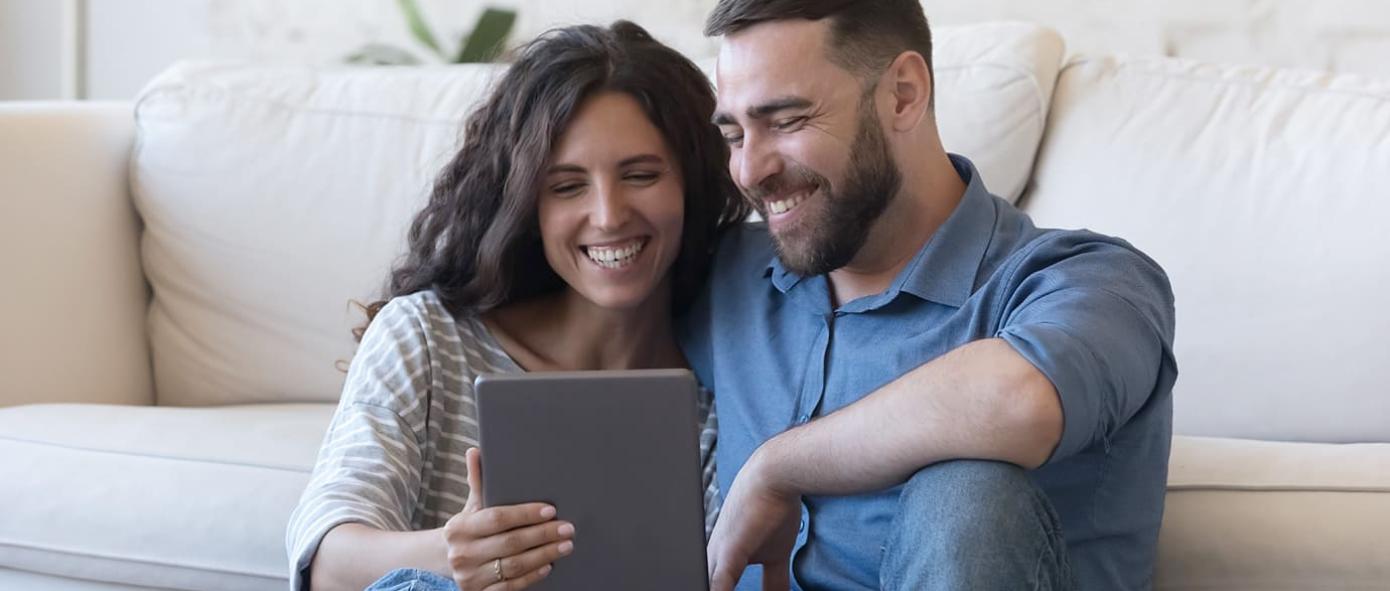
<point x="917" y="388"/>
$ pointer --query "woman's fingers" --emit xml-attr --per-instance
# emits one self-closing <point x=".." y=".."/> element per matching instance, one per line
<point x="533" y="563"/>
<point x="474" y="458"/>
<point x="523" y="581"/>
<point x="495" y="520"/>
<point x="523" y="539"/>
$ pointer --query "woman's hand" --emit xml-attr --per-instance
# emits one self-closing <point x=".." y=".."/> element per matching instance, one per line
<point x="503" y="548"/>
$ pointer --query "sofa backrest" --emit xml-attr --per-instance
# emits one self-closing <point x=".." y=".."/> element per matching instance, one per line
<point x="272" y="196"/>
<point x="1265" y="194"/>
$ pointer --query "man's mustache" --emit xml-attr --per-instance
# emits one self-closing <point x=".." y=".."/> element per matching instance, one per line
<point x="793" y="180"/>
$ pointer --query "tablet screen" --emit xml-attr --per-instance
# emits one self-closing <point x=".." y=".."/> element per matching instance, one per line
<point x="617" y="454"/>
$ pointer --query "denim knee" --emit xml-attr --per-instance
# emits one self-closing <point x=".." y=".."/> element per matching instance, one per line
<point x="412" y="579"/>
<point x="975" y="502"/>
<point x="974" y="524"/>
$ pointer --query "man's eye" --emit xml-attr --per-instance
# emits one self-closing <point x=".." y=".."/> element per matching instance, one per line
<point x="733" y="140"/>
<point x="787" y="124"/>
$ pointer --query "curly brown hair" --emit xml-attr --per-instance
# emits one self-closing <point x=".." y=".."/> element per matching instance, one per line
<point x="477" y="242"/>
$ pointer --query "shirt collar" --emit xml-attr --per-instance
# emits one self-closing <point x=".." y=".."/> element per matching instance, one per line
<point x="944" y="270"/>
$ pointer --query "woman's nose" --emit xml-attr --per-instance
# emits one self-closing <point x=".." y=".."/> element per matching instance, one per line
<point x="611" y="209"/>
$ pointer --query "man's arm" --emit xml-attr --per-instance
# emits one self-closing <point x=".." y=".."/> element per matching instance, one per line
<point x="980" y="401"/>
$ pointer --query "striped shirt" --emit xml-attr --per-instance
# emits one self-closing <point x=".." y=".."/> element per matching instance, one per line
<point x="393" y="456"/>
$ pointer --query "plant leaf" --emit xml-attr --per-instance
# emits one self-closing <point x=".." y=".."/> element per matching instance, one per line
<point x="489" y="36"/>
<point x="416" y="21"/>
<point x="376" y="54"/>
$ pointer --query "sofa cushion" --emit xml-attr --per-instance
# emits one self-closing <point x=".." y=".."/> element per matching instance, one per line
<point x="274" y="195"/>
<point x="1263" y="193"/>
<point x="163" y="497"/>
<point x="1247" y="515"/>
<point x="994" y="88"/>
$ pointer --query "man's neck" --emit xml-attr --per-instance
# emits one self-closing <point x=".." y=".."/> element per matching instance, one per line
<point x="929" y="195"/>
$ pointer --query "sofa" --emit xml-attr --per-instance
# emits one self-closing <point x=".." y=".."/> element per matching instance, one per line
<point x="180" y="274"/>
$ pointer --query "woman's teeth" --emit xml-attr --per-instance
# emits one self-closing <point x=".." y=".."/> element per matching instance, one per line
<point x="615" y="257"/>
<point x="786" y="205"/>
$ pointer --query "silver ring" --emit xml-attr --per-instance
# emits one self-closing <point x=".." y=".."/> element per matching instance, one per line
<point x="497" y="570"/>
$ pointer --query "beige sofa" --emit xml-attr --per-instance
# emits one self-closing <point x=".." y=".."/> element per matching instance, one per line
<point x="178" y="271"/>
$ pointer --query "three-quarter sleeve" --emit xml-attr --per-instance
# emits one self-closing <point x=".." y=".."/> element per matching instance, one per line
<point x="369" y="466"/>
<point x="1097" y="318"/>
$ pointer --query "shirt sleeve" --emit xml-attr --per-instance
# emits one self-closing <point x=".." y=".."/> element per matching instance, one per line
<point x="709" y="438"/>
<point x="1096" y="317"/>
<point x="369" y="466"/>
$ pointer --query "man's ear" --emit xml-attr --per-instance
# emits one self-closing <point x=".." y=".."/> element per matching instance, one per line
<point x="910" y="82"/>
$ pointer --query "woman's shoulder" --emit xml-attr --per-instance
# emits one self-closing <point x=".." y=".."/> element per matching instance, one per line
<point x="416" y="316"/>
<point x="421" y="307"/>
<point x="417" y="345"/>
<point x="461" y="340"/>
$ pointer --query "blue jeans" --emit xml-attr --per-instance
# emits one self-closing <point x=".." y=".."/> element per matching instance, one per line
<point x="410" y="579"/>
<point x="969" y="524"/>
<point x="963" y="524"/>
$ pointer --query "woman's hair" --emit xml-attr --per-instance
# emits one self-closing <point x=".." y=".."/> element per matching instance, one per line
<point x="477" y="243"/>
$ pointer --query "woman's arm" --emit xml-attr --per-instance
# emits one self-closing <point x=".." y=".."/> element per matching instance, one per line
<point x="354" y="555"/>
<point x="477" y="548"/>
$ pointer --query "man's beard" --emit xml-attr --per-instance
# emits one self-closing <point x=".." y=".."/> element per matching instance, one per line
<point x="819" y="244"/>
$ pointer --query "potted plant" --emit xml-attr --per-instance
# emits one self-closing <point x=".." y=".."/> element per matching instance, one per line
<point x="484" y="43"/>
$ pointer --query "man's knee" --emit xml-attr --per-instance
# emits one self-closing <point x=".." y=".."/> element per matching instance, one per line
<point x="964" y="496"/>
<point x="975" y="524"/>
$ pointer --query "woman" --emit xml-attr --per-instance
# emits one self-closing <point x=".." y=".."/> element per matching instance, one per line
<point x="577" y="219"/>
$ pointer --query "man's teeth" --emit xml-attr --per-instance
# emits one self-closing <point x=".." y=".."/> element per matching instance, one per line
<point x="786" y="205"/>
<point x="615" y="257"/>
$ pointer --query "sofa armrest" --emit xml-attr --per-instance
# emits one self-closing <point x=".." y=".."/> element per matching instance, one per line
<point x="74" y="297"/>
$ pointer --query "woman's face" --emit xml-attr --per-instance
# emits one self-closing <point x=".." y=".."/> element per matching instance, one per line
<point x="612" y="204"/>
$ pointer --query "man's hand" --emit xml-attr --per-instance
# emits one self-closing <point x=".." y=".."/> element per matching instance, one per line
<point x="757" y="525"/>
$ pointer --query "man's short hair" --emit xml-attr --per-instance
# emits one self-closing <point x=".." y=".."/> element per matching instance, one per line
<point x="865" y="35"/>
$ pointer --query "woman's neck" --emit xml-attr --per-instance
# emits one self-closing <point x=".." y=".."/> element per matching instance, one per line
<point x="567" y="332"/>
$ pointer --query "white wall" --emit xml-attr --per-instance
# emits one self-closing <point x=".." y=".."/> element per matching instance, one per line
<point x="1337" y="35"/>
<point x="31" y="49"/>
<point x="131" y="40"/>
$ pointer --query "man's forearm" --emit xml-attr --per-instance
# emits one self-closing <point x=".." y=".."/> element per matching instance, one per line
<point x="352" y="556"/>
<point x="981" y="401"/>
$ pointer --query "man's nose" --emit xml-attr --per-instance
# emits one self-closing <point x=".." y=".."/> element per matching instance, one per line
<point x="611" y="209"/>
<point x="756" y="161"/>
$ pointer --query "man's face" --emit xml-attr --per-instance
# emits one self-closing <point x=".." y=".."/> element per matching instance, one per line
<point x="806" y="145"/>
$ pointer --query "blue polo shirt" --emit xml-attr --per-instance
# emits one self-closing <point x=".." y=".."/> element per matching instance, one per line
<point x="1090" y="311"/>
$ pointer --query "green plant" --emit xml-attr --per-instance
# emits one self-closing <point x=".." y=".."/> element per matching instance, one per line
<point x="484" y="44"/>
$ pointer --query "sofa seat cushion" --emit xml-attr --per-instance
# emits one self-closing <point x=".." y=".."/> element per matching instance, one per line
<point x="166" y="497"/>
<point x="1246" y="515"/>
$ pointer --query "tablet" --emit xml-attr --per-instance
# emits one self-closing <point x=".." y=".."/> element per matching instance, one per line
<point x="618" y="455"/>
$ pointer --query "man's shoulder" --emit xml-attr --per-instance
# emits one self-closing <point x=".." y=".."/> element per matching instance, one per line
<point x="744" y="250"/>
<point x="1082" y="252"/>
<point x="1051" y="262"/>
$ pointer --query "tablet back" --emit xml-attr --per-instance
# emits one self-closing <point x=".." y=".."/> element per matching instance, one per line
<point x="617" y="453"/>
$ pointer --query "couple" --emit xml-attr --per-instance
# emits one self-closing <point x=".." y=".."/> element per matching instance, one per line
<point x="916" y="388"/>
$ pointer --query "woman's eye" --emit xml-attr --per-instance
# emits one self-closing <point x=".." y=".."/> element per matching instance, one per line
<point x="566" y="189"/>
<point x="645" y="178"/>
<point x="733" y="140"/>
